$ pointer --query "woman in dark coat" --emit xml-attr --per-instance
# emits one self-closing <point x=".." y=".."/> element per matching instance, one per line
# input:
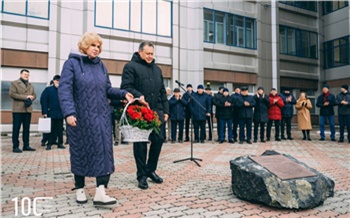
<point x="260" y="113"/>
<point x="83" y="91"/>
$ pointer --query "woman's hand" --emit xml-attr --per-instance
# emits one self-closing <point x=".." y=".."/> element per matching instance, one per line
<point x="129" y="96"/>
<point x="71" y="120"/>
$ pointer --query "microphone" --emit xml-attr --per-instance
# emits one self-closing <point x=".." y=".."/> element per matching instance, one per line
<point x="180" y="84"/>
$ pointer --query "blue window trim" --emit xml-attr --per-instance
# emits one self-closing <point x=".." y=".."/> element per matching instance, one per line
<point x="324" y="5"/>
<point x="227" y="29"/>
<point x="26" y="11"/>
<point x="301" y="31"/>
<point x="141" y="12"/>
<point x="331" y="50"/>
<point x="296" y="4"/>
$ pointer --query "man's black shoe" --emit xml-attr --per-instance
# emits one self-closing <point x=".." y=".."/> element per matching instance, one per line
<point x="48" y="147"/>
<point x="29" y="149"/>
<point x="187" y="140"/>
<point x="231" y="141"/>
<point x="255" y="140"/>
<point x="277" y="139"/>
<point x="143" y="183"/>
<point x="155" y="178"/>
<point x="322" y="139"/>
<point x="181" y="141"/>
<point x="249" y="141"/>
<point x="240" y="142"/>
<point x="196" y="141"/>
<point x="268" y="139"/>
<point x="202" y="141"/>
<point x="43" y="144"/>
<point x="263" y="141"/>
<point x="220" y="142"/>
<point x="17" y="150"/>
<point x="341" y="140"/>
<point x="172" y="142"/>
<point x="116" y="143"/>
<point x="124" y="143"/>
<point x="66" y="143"/>
<point x="290" y="138"/>
<point x="333" y="140"/>
<point x="61" y="146"/>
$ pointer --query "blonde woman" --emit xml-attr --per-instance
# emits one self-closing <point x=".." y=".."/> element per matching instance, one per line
<point x="304" y="120"/>
<point x="83" y="93"/>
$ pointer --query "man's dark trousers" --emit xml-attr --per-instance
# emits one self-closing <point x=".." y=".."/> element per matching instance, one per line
<point x="143" y="166"/>
<point x="199" y="124"/>
<point x="286" y="121"/>
<point x="247" y="123"/>
<point x="18" y="120"/>
<point x="210" y="123"/>
<point x="56" y="131"/>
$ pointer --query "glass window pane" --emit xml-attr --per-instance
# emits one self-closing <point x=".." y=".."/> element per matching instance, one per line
<point x="230" y="28"/>
<point x="298" y="43"/>
<point x="121" y="15"/>
<point x="249" y="25"/>
<point x="313" y="45"/>
<point x="208" y="25"/>
<point x="283" y="40"/>
<point x="164" y="18"/>
<point x="344" y="54"/>
<point x="103" y="13"/>
<point x="291" y="42"/>
<point x="305" y="44"/>
<point x="336" y="56"/>
<point x="239" y="31"/>
<point x="135" y="16"/>
<point x="328" y="58"/>
<point x="38" y="8"/>
<point x="220" y="27"/>
<point x="149" y="17"/>
<point x="17" y="7"/>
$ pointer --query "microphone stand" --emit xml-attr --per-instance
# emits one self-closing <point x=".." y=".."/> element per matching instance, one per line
<point x="191" y="158"/>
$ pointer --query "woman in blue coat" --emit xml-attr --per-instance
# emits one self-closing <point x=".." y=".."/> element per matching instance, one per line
<point x="83" y="91"/>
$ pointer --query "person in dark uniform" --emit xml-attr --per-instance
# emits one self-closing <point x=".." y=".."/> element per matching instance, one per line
<point x="287" y="113"/>
<point x="225" y="103"/>
<point x="261" y="116"/>
<point x="235" y="95"/>
<point x="210" y="118"/>
<point x="188" y="112"/>
<point x="143" y="78"/>
<point x="216" y="100"/>
<point x="177" y="106"/>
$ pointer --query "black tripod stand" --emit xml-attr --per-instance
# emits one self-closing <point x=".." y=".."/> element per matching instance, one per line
<point x="190" y="100"/>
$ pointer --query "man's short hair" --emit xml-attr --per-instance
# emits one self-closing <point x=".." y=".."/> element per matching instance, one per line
<point x="24" y="70"/>
<point x="144" y="43"/>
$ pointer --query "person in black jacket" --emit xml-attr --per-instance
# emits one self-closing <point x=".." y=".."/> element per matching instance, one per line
<point x="50" y="107"/>
<point x="210" y="118"/>
<point x="245" y="104"/>
<point x="225" y="103"/>
<point x="260" y="113"/>
<point x="343" y="102"/>
<point x="188" y="112"/>
<point x="235" y="95"/>
<point x="177" y="106"/>
<point x="45" y="137"/>
<point x="200" y="109"/>
<point x="143" y="79"/>
<point x="287" y="113"/>
<point x="215" y="99"/>
<point x="326" y="103"/>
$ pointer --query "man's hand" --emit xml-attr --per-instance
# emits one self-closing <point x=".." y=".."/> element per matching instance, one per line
<point x="71" y="120"/>
<point x="166" y="116"/>
<point x="326" y="103"/>
<point x="208" y="114"/>
<point x="31" y="97"/>
<point x="246" y="103"/>
<point x="44" y="115"/>
<point x="275" y="101"/>
<point x="142" y="101"/>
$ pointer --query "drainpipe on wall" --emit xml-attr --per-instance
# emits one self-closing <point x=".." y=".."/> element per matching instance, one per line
<point x="274" y="42"/>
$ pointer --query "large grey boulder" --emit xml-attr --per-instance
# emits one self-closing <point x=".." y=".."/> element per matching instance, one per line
<point x="254" y="183"/>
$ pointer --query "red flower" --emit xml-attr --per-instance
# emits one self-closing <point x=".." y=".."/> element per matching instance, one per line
<point x="149" y="117"/>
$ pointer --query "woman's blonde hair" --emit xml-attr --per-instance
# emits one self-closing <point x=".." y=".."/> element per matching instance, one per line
<point x="87" y="40"/>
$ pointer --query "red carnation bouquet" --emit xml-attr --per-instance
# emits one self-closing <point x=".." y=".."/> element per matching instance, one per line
<point x="141" y="117"/>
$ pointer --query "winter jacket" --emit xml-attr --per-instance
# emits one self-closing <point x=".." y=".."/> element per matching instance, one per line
<point x="242" y="110"/>
<point x="275" y="112"/>
<point x="142" y="78"/>
<point x="304" y="118"/>
<point x="19" y="92"/>
<point x="50" y="104"/>
<point x="83" y="90"/>
<point x="216" y="101"/>
<point x="177" y="108"/>
<point x="287" y="110"/>
<point x="329" y="109"/>
<point x="225" y="112"/>
<point x="261" y="108"/>
<point x="199" y="111"/>
<point x="235" y="108"/>
<point x="343" y="109"/>
<point x="187" y="97"/>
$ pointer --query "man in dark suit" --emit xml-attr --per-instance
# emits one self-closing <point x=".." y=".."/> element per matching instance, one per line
<point x="143" y="79"/>
<point x="22" y="92"/>
<point x="210" y="118"/>
<point x="50" y="107"/>
<point x="188" y="112"/>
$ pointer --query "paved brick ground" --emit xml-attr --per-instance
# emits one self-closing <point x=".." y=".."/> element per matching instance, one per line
<point x="188" y="190"/>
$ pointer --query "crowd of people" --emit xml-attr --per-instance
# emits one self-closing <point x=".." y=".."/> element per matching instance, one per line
<point x="262" y="109"/>
<point x="83" y="97"/>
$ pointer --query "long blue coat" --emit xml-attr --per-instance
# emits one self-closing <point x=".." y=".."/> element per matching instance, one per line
<point x="83" y="90"/>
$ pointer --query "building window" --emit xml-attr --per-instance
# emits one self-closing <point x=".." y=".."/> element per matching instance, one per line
<point x="149" y="17"/>
<point x="28" y="8"/>
<point x="297" y="42"/>
<point x="229" y="29"/>
<point x="307" y="5"/>
<point x="330" y="6"/>
<point x="336" y="52"/>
